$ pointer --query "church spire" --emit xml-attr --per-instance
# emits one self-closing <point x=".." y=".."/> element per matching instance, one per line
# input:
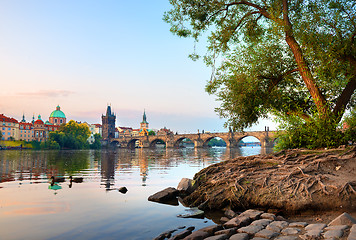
<point x="23" y="118"/>
<point x="144" y="119"/>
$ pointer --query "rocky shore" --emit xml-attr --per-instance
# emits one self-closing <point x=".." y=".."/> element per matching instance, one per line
<point x="257" y="225"/>
<point x="289" y="182"/>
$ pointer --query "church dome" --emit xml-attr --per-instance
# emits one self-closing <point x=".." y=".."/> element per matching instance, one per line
<point x="57" y="113"/>
<point x="39" y="120"/>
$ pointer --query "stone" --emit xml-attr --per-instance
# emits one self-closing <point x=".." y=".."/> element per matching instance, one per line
<point x="273" y="228"/>
<point x="211" y="229"/>
<point x="336" y="227"/>
<point x="315" y="226"/>
<point x="186" y="186"/>
<point x="218" y="237"/>
<point x="258" y="238"/>
<point x="192" y="213"/>
<point x="164" y="196"/>
<point x="224" y="219"/>
<point x="252" y="214"/>
<point x="298" y="224"/>
<point x="343" y="219"/>
<point x="290" y="231"/>
<point x="270" y="216"/>
<point x="198" y="235"/>
<point x="262" y="222"/>
<point x="287" y="238"/>
<point x="228" y="232"/>
<point x="123" y="190"/>
<point x="280" y="218"/>
<point x="333" y="233"/>
<point x="239" y="221"/>
<point x="352" y="235"/>
<point x="239" y="236"/>
<point x="182" y="234"/>
<point x="230" y="214"/>
<point x="265" y="233"/>
<point x="277" y="224"/>
<point x="314" y="233"/>
<point x="165" y="235"/>
<point x="251" y="229"/>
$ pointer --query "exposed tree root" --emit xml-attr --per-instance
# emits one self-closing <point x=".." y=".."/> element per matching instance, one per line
<point x="289" y="181"/>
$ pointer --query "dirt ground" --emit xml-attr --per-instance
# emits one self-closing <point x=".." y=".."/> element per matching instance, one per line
<point x="313" y="185"/>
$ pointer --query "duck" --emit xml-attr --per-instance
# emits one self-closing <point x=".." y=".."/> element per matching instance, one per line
<point x="57" y="179"/>
<point x="76" y="180"/>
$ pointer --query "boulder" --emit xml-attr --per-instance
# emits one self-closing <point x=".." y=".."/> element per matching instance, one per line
<point x="343" y="219"/>
<point x="165" y="196"/>
<point x="186" y="186"/>
<point x="123" y="190"/>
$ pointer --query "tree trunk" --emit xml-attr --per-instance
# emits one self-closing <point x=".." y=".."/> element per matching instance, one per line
<point x="304" y="70"/>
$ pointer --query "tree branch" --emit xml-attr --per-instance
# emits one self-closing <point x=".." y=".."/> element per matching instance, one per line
<point x="346" y="94"/>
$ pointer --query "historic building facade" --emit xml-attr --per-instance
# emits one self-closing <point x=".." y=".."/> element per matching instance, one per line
<point x="9" y="127"/>
<point x="108" y="124"/>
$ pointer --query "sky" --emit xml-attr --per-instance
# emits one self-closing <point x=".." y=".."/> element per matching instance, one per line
<point x="84" y="55"/>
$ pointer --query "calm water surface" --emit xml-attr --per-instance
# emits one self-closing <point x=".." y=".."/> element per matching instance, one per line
<point x="30" y="208"/>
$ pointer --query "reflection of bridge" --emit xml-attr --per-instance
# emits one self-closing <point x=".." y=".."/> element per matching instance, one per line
<point x="231" y="139"/>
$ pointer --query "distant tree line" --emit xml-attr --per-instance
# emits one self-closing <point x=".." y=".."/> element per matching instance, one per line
<point x="71" y="136"/>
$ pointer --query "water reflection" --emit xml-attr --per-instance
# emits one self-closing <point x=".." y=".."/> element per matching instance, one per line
<point x="92" y="206"/>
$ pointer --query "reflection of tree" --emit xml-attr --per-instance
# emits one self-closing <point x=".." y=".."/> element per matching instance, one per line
<point x="36" y="165"/>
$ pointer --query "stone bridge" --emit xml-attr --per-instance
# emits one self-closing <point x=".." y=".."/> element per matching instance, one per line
<point x="231" y="139"/>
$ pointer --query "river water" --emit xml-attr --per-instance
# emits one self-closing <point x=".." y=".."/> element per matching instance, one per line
<point x="30" y="208"/>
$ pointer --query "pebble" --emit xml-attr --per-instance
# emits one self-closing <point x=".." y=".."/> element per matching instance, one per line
<point x="256" y="225"/>
<point x="251" y="230"/>
<point x="218" y="237"/>
<point x="239" y="236"/>
<point x="262" y="222"/>
<point x="290" y="231"/>
<point x="315" y="226"/>
<point x="270" y="216"/>
<point x="298" y="224"/>
<point x="265" y="233"/>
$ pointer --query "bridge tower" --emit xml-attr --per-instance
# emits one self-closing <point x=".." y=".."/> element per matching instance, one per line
<point x="108" y="124"/>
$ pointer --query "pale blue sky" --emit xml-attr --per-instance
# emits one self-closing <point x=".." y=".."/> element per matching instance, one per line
<point x="83" y="55"/>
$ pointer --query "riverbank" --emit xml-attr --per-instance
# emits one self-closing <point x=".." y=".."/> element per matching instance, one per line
<point x="290" y="182"/>
<point x="312" y="187"/>
<point x="258" y="225"/>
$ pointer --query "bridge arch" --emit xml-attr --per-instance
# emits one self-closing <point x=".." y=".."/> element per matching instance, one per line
<point x="207" y="140"/>
<point x="177" y="142"/>
<point x="157" y="140"/>
<point x="114" y="144"/>
<point x="238" y="140"/>
<point x="132" y="143"/>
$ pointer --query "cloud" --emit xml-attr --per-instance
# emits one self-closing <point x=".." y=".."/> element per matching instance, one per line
<point x="47" y="93"/>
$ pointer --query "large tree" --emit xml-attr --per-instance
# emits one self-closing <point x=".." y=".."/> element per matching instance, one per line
<point x="275" y="56"/>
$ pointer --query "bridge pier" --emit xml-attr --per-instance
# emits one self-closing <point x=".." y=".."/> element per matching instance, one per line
<point x="266" y="143"/>
<point x="198" y="143"/>
<point x="231" y="143"/>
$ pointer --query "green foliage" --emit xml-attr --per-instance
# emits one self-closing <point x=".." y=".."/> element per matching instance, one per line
<point x="151" y="133"/>
<point x="315" y="133"/>
<point x="217" y="143"/>
<point x="257" y="72"/>
<point x="350" y="131"/>
<point x="71" y="136"/>
<point x="50" y="144"/>
<point x="97" y="142"/>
